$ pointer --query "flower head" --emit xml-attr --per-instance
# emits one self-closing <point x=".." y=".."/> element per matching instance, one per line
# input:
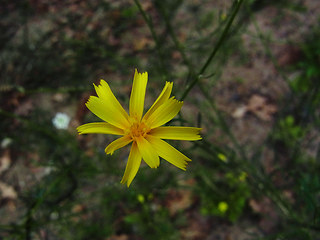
<point x="144" y="132"/>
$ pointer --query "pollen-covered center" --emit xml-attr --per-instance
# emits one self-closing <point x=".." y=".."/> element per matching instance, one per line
<point x="138" y="129"/>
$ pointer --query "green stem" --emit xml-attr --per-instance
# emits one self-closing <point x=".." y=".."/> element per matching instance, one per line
<point x="153" y="33"/>
<point x="265" y="44"/>
<point x="176" y="42"/>
<point x="215" y="50"/>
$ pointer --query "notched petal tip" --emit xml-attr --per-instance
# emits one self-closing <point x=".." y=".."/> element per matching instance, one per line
<point x="144" y="74"/>
<point x="174" y="98"/>
<point x="136" y="72"/>
<point x="108" y="152"/>
<point x="125" y="181"/>
<point x="80" y="132"/>
<point x="90" y="99"/>
<point x="155" y="166"/>
<point x="102" y="81"/>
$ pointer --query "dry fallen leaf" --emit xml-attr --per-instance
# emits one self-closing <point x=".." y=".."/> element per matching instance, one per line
<point x="7" y="192"/>
<point x="178" y="200"/>
<point x="24" y="107"/>
<point x="259" y="106"/>
<point x="269" y="216"/>
<point x="5" y="161"/>
<point x="141" y="43"/>
<point x="80" y="213"/>
<point x="78" y="208"/>
<point x="289" y="55"/>
<point x="197" y="228"/>
<point x="40" y="172"/>
<point x="59" y="97"/>
<point x="240" y="112"/>
<point x="118" y="237"/>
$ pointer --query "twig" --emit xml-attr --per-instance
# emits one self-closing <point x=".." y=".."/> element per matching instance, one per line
<point x="149" y="22"/>
<point x="215" y="50"/>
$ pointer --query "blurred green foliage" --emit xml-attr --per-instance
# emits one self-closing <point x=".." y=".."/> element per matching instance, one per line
<point x="228" y="203"/>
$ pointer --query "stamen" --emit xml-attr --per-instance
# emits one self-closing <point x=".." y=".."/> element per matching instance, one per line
<point x="138" y="129"/>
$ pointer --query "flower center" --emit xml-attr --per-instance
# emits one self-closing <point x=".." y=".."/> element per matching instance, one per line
<point x="138" y="129"/>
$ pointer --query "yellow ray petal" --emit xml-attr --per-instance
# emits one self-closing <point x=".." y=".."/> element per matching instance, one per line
<point x="164" y="113"/>
<point x="99" y="127"/>
<point x="118" y="143"/>
<point x="169" y="153"/>
<point x="107" y="113"/>
<point x="164" y="95"/>
<point x="133" y="165"/>
<point x="138" y="93"/>
<point x="176" y="133"/>
<point x="104" y="92"/>
<point x="147" y="152"/>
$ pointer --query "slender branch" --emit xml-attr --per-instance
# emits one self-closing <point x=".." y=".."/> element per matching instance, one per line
<point x="269" y="53"/>
<point x="222" y="37"/>
<point x="176" y="42"/>
<point x="148" y="20"/>
<point x="215" y="50"/>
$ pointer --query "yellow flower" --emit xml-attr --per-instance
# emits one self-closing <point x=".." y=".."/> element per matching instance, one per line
<point x="145" y="132"/>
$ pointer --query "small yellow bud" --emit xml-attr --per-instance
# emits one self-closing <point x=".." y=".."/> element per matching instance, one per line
<point x="223" y="207"/>
<point x="222" y="157"/>
<point x="140" y="198"/>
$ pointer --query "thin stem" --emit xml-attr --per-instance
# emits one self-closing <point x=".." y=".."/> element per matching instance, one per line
<point x="176" y="42"/>
<point x="264" y="42"/>
<point x="215" y="50"/>
<point x="148" y="20"/>
<point x="224" y="126"/>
